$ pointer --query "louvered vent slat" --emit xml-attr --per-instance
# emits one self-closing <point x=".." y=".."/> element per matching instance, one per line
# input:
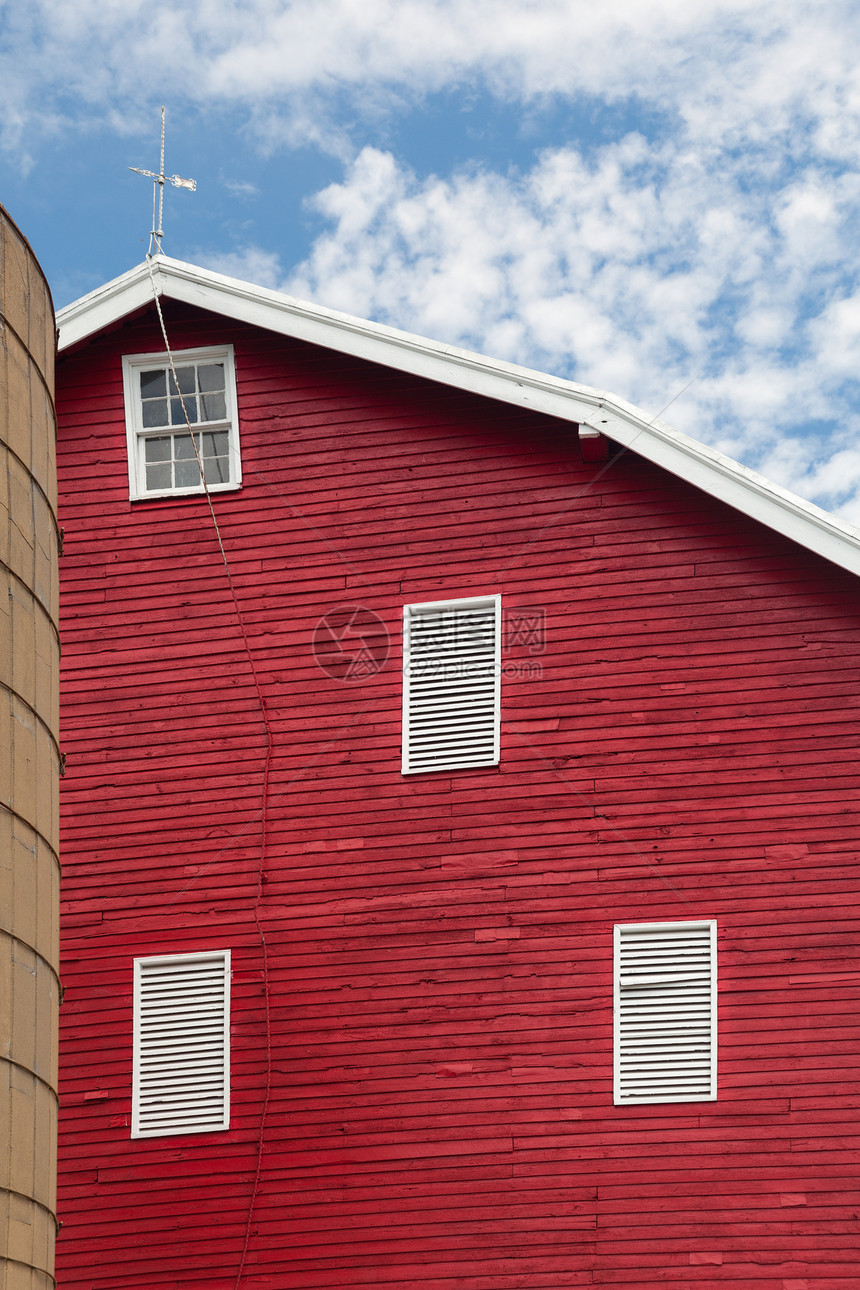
<point x="451" y="685"/>
<point x="665" y="1012"/>
<point x="181" y="1044"/>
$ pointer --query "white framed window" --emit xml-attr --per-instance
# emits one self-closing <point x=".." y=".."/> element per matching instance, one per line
<point x="451" y="684"/>
<point x="181" y="1059"/>
<point x="162" y="461"/>
<point x="665" y="1012"/>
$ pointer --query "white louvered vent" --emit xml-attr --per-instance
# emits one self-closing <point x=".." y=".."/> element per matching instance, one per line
<point x="666" y="1012"/>
<point x="451" y="684"/>
<point x="181" y="1078"/>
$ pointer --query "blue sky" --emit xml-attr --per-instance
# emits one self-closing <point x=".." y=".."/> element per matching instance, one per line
<point x="648" y="198"/>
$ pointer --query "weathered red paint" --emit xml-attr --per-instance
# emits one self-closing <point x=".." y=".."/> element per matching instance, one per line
<point x="439" y="946"/>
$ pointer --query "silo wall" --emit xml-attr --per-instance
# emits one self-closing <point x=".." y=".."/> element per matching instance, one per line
<point x="29" y="770"/>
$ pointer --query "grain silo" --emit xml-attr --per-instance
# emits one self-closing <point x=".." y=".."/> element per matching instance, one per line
<point x="29" y="768"/>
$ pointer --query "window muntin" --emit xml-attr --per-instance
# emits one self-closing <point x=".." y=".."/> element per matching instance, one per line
<point x="163" y="451"/>
<point x="665" y="1009"/>
<point x="451" y="684"/>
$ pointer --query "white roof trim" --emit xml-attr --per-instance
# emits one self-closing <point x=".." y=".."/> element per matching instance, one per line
<point x="744" y="489"/>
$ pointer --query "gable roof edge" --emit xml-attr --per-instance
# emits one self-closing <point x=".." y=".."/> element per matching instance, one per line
<point x="715" y="474"/>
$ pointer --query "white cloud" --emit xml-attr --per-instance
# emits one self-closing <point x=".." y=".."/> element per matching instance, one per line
<point x="721" y="247"/>
<point x="241" y="188"/>
<point x="633" y="271"/>
<point x="734" y="72"/>
<point x="252" y="264"/>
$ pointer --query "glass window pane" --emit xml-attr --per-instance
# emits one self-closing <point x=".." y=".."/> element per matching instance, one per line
<point x="183" y="448"/>
<point x="211" y="377"/>
<point x="152" y="384"/>
<point x="215" y="445"/>
<point x="157" y="476"/>
<point x="177" y="416"/>
<point x="213" y="407"/>
<point x="185" y="377"/>
<point x="187" y="380"/>
<point x="187" y="474"/>
<point x="155" y="412"/>
<point x="216" y="470"/>
<point x="158" y="449"/>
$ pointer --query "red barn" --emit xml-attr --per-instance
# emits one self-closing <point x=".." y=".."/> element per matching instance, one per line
<point x="460" y="823"/>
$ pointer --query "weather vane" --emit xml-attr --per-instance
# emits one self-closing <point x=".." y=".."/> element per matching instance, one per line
<point x="158" y="183"/>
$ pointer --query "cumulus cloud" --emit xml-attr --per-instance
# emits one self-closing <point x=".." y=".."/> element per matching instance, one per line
<point x="732" y="71"/>
<point x="715" y="244"/>
<point x="633" y="270"/>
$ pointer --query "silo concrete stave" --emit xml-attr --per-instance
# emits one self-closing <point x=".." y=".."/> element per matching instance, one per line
<point x="29" y="769"/>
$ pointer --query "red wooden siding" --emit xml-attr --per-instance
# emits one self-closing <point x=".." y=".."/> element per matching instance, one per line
<point x="440" y="947"/>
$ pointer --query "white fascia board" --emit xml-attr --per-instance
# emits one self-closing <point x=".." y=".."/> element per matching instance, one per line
<point x="741" y="488"/>
<point x="104" y="306"/>
<point x="711" y="471"/>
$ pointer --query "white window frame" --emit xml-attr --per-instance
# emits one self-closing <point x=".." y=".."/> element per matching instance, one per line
<point x="137" y="434"/>
<point x="212" y="1124"/>
<point x="410" y="613"/>
<point x="624" y="1007"/>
